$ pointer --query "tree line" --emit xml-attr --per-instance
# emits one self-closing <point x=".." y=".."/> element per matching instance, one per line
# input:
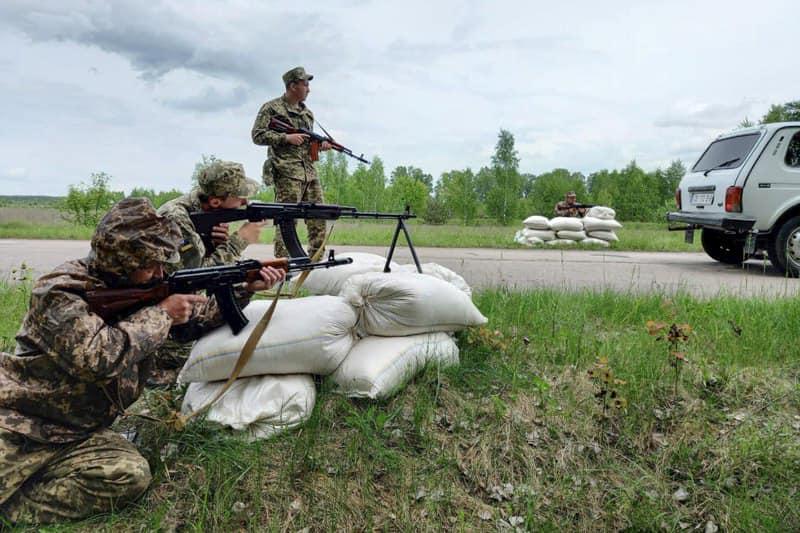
<point x="498" y="192"/>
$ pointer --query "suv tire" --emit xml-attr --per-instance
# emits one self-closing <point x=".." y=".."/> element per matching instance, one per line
<point x="728" y="249"/>
<point x="784" y="249"/>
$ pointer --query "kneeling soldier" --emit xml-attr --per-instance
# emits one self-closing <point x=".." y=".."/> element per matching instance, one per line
<point x="72" y="373"/>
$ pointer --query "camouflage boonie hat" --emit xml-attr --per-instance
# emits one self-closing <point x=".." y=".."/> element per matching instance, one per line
<point x="131" y="236"/>
<point x="297" y="73"/>
<point x="226" y="178"/>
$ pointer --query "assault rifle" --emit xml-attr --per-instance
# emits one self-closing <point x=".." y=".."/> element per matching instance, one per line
<point x="285" y="215"/>
<point x="282" y="125"/>
<point x="217" y="281"/>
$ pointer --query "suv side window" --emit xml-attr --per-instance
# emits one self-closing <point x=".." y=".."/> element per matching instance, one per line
<point x="793" y="151"/>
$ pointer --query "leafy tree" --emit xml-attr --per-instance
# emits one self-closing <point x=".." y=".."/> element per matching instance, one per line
<point x="551" y="187"/>
<point x="746" y="123"/>
<point x="782" y="112"/>
<point x="457" y="190"/>
<point x="368" y="186"/>
<point x="334" y="177"/>
<point x="502" y="199"/>
<point x="483" y="182"/>
<point x="415" y="173"/>
<point x="85" y="204"/>
<point x="406" y="190"/>
<point x="156" y="198"/>
<point x="671" y="178"/>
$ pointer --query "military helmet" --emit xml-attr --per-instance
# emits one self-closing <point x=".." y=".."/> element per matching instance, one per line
<point x="132" y="236"/>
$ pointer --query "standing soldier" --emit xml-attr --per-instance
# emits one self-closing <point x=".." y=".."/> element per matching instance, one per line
<point x="72" y="373"/>
<point x="569" y="207"/>
<point x="289" y="165"/>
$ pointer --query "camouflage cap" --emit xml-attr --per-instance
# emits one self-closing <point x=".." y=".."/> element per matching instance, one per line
<point x="131" y="236"/>
<point x="297" y="73"/>
<point x="226" y="178"/>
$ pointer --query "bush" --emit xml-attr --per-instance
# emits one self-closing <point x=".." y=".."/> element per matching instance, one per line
<point x="86" y="204"/>
<point x="435" y="212"/>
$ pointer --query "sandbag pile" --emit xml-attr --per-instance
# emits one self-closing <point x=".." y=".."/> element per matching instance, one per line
<point x="596" y="228"/>
<point x="378" y="331"/>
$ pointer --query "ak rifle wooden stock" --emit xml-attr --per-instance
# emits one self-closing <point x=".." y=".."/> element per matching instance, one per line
<point x="283" y="126"/>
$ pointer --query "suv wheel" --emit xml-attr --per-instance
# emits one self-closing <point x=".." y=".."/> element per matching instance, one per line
<point x="728" y="249"/>
<point x="784" y="249"/>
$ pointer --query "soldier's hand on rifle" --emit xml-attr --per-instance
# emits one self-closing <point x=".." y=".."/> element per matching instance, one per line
<point x="219" y="233"/>
<point x="179" y="306"/>
<point x="296" y="138"/>
<point x="325" y="146"/>
<point x="250" y="231"/>
<point x="269" y="277"/>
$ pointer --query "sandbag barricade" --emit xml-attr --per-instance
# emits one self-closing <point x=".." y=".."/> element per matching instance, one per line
<point x="261" y="406"/>
<point x="330" y="280"/>
<point x="306" y="336"/>
<point x="597" y="228"/>
<point x="377" y="367"/>
<point x="403" y="303"/>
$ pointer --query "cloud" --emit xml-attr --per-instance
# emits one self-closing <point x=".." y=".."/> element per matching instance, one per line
<point x="14" y="174"/>
<point x="210" y="100"/>
<point x="705" y="115"/>
<point x="159" y="38"/>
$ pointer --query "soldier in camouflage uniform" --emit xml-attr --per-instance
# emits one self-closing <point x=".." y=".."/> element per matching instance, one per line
<point x="72" y="373"/>
<point x="567" y="207"/>
<point x="221" y="185"/>
<point x="289" y="166"/>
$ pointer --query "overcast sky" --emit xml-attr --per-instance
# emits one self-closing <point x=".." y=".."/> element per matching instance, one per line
<point x="141" y="89"/>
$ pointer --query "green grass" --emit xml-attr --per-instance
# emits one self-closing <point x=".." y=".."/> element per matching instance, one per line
<point x="516" y="431"/>
<point x="634" y="236"/>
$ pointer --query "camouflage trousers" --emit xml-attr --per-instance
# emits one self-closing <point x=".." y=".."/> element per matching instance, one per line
<point x="44" y="483"/>
<point x="289" y="190"/>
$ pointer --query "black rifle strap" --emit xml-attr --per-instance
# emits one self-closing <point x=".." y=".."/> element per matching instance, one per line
<point x="323" y="129"/>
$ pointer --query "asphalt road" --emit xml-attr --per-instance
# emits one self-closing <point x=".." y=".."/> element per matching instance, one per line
<point x="664" y="272"/>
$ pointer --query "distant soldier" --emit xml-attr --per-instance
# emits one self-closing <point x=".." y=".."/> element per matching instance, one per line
<point x="569" y="206"/>
<point x="220" y="185"/>
<point x="72" y="373"/>
<point x="289" y="166"/>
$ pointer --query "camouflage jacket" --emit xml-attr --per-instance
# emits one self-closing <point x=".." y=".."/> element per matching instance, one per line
<point x="284" y="160"/>
<point x="193" y="251"/>
<point x="72" y="373"/>
<point x="563" y="209"/>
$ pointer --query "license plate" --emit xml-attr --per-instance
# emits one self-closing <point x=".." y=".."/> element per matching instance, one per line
<point x="703" y="198"/>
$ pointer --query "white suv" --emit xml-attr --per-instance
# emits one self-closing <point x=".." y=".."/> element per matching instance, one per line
<point x="744" y="193"/>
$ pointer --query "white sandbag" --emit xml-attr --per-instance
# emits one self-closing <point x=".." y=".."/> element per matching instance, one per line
<point x="589" y="241"/>
<point x="545" y="235"/>
<point x="404" y="303"/>
<point x="571" y="235"/>
<point x="438" y="271"/>
<point x="536" y="222"/>
<point x="261" y="405"/>
<point x="330" y="280"/>
<point x="561" y="242"/>
<point x="519" y="238"/>
<point x="306" y="336"/>
<point x="604" y="235"/>
<point x="533" y="241"/>
<point x="566" y="224"/>
<point x="599" y="224"/>
<point x="601" y="212"/>
<point x="377" y="367"/>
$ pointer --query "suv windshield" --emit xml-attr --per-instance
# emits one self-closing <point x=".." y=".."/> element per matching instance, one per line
<point x="732" y="151"/>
